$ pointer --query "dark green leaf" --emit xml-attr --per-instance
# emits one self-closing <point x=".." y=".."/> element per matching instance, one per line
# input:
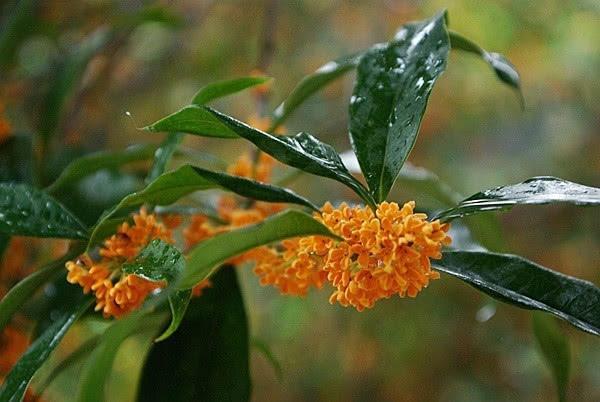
<point x="192" y="119"/>
<point x="163" y="155"/>
<point x="534" y="191"/>
<point x="16" y="160"/>
<point x="220" y="89"/>
<point x="24" y="290"/>
<point x="89" y="164"/>
<point x="311" y="84"/>
<point x="503" y="68"/>
<point x="554" y="348"/>
<point x="178" y="303"/>
<point x="513" y="279"/>
<point x="158" y="261"/>
<point x="254" y="189"/>
<point x="393" y="84"/>
<point x="15" y="384"/>
<point x="69" y="74"/>
<point x="207" y="358"/>
<point x="208" y="255"/>
<point x="27" y="211"/>
<point x="302" y="151"/>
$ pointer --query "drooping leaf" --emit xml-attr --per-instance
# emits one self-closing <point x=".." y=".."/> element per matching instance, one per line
<point x="534" y="191"/>
<point x="253" y="189"/>
<point x="208" y="255"/>
<point x="515" y="280"/>
<point x="207" y="358"/>
<point x="15" y="384"/>
<point x="223" y="88"/>
<point x="302" y="151"/>
<point x="16" y="160"/>
<point x="554" y="348"/>
<point x="69" y="74"/>
<point x="503" y="68"/>
<point x="89" y="164"/>
<point x="163" y="155"/>
<point x="27" y="211"/>
<point x="311" y="84"/>
<point x="192" y="119"/>
<point x="393" y="84"/>
<point x="178" y="303"/>
<point x="24" y="290"/>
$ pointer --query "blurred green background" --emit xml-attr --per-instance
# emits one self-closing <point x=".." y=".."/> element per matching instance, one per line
<point x="449" y="344"/>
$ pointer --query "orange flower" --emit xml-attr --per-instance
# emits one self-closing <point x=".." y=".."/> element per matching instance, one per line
<point x="116" y="294"/>
<point x="171" y="221"/>
<point x="199" y="229"/>
<point x="12" y="345"/>
<point x="5" y="127"/>
<point x="199" y="288"/>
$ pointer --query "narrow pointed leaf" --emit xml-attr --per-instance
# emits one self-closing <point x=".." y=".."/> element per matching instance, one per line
<point x="178" y="303"/>
<point x="220" y="89"/>
<point x="394" y="81"/>
<point x="302" y="151"/>
<point x="163" y="155"/>
<point x="515" y="280"/>
<point x="14" y="386"/>
<point x="208" y="255"/>
<point x="27" y="211"/>
<point x="554" y="348"/>
<point x="89" y="164"/>
<point x="24" y="290"/>
<point x="207" y="358"/>
<point x="534" y="191"/>
<point x="311" y="84"/>
<point x="254" y="189"/>
<point x="503" y="68"/>
<point x="192" y="119"/>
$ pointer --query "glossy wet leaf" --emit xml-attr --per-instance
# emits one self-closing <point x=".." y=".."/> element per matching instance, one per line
<point x="192" y="119"/>
<point x="89" y="164"/>
<point x="394" y="81"/>
<point x="554" y="348"/>
<point x="27" y="211"/>
<point x="312" y="83"/>
<point x="15" y="383"/>
<point x="22" y="292"/>
<point x="16" y="159"/>
<point x="534" y="191"/>
<point x="302" y="151"/>
<point x="163" y="155"/>
<point x="158" y="261"/>
<point x="515" y="280"/>
<point x="204" y="258"/>
<point x="253" y="189"/>
<point x="207" y="358"/>
<point x="223" y="88"/>
<point x="503" y="68"/>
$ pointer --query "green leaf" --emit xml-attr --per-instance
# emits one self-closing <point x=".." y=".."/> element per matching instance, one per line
<point x="503" y="68"/>
<point x="27" y="211"/>
<point x="16" y="160"/>
<point x="192" y="119"/>
<point x="89" y="164"/>
<point x="393" y="84"/>
<point x="158" y="261"/>
<point x="178" y="303"/>
<point x="24" y="290"/>
<point x="15" y="384"/>
<point x="18" y="24"/>
<point x="208" y="255"/>
<point x="163" y="155"/>
<point x="554" y="348"/>
<point x="302" y="151"/>
<point x="253" y="189"/>
<point x="68" y="77"/>
<point x="311" y="84"/>
<point x="534" y="191"/>
<point x="266" y="351"/>
<point x="515" y="280"/>
<point x="207" y="358"/>
<point x="223" y="88"/>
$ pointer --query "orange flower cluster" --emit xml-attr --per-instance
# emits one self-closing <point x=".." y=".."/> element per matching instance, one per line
<point x="381" y="254"/>
<point x="116" y="294"/>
